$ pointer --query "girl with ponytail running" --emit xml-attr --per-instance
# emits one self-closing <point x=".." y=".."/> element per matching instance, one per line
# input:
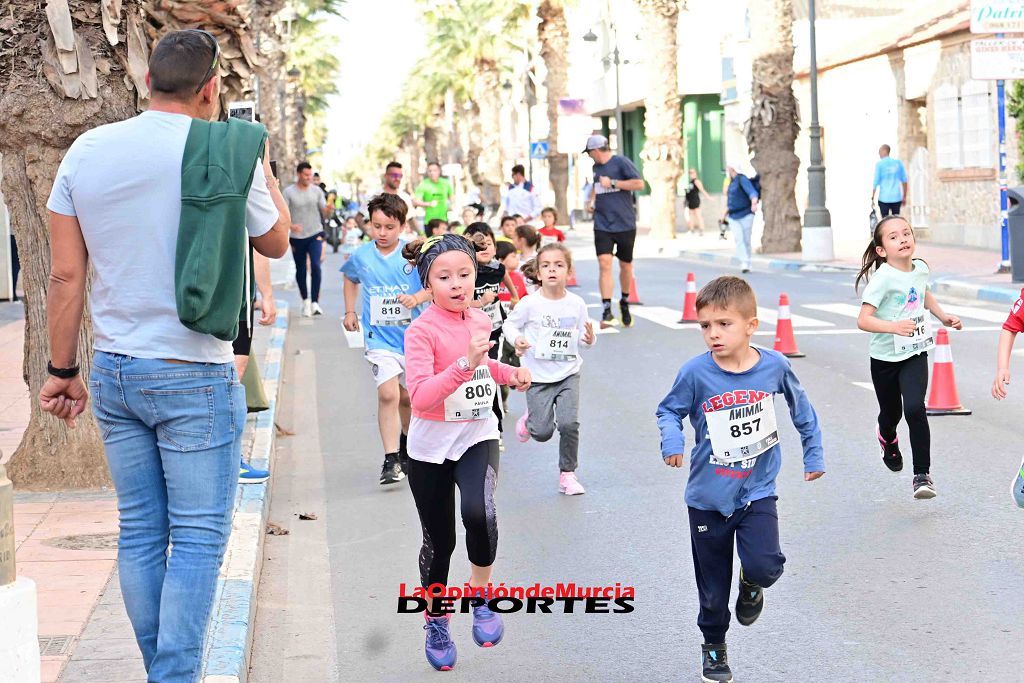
<point x="894" y="309"/>
<point x="453" y="436"/>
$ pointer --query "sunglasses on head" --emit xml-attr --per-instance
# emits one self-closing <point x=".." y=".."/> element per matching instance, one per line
<point x="216" y="56"/>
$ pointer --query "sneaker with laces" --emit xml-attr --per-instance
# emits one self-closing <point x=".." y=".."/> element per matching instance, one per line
<point x="247" y="474"/>
<point x="522" y="433"/>
<point x="924" y="488"/>
<point x="569" y="484"/>
<point x="715" y="664"/>
<point x="439" y="647"/>
<point x="488" y="628"/>
<point x="391" y="472"/>
<point x="891" y="455"/>
<point x="1018" y="486"/>
<point x="749" y="602"/>
<point x="316" y="308"/>
<point x="307" y="308"/>
<point x="627" y="317"/>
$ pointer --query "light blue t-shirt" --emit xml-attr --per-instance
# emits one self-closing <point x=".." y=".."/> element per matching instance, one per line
<point x="123" y="182"/>
<point x="889" y="178"/>
<point x="385" y="277"/>
<point x="701" y="388"/>
<point x="897" y="296"/>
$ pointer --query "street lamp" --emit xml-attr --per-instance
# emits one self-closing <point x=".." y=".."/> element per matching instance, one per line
<point x="816" y="236"/>
<point x="591" y="37"/>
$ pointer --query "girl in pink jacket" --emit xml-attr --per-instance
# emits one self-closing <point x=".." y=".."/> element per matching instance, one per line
<point x="453" y="436"/>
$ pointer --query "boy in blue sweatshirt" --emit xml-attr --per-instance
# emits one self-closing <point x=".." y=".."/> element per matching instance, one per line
<point x="728" y="394"/>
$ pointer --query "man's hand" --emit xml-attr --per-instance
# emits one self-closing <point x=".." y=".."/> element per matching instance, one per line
<point x="588" y="334"/>
<point x="65" y="399"/>
<point x="351" y="322"/>
<point x="407" y="300"/>
<point x="674" y="460"/>
<point x="754" y="203"/>
<point x="520" y="379"/>
<point x="811" y="476"/>
<point x="1000" y="383"/>
<point x="296" y="228"/>
<point x="605" y="182"/>
<point x="522" y="346"/>
<point x="268" y="311"/>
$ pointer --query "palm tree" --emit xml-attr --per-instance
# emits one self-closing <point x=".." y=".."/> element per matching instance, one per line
<point x="553" y="33"/>
<point x="663" y="148"/>
<point x="775" y="122"/>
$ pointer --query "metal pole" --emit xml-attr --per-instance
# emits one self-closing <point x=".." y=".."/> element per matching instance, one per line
<point x="1004" y="264"/>
<point x="816" y="215"/>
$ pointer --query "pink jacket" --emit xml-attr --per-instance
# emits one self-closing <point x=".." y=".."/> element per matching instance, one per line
<point x="433" y="343"/>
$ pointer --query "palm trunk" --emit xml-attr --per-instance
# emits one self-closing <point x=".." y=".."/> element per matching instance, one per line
<point x="295" y="122"/>
<point x="775" y="123"/>
<point x="553" y="32"/>
<point x="663" y="148"/>
<point x="474" y="143"/>
<point x="97" y="91"/>
<point x="432" y="143"/>
<point x="488" y="84"/>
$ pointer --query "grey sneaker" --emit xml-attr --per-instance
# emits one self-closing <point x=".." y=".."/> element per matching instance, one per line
<point x="923" y="487"/>
<point x="715" y="664"/>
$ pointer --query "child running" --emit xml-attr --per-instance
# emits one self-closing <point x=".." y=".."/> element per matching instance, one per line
<point x="549" y="232"/>
<point x="507" y="255"/>
<point x="508" y="230"/>
<point x="1014" y="324"/>
<point x="391" y="295"/>
<point x="547" y="329"/>
<point x="894" y="309"/>
<point x="453" y="438"/>
<point x="729" y="396"/>
<point x="527" y="240"/>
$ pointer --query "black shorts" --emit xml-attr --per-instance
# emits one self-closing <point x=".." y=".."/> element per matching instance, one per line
<point x="243" y="342"/>
<point x="618" y="243"/>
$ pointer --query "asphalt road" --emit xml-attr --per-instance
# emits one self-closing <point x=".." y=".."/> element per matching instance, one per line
<point x="878" y="586"/>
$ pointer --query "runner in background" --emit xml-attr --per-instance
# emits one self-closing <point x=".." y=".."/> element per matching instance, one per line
<point x="435" y="226"/>
<point x="694" y="190"/>
<point x="435" y="193"/>
<point x="549" y="232"/>
<point x="527" y="240"/>
<point x="507" y="255"/>
<point x="508" y="230"/>
<point x="521" y="197"/>
<point x="1014" y="325"/>
<point x="308" y="208"/>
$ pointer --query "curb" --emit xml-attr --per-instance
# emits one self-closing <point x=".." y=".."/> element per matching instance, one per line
<point x="762" y="262"/>
<point x="967" y="290"/>
<point x="229" y="633"/>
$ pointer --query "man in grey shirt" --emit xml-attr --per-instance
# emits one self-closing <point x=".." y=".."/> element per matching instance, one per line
<point x="308" y="208"/>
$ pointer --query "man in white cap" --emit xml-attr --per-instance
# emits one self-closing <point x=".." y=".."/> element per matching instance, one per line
<point x="611" y="200"/>
<point x="741" y="204"/>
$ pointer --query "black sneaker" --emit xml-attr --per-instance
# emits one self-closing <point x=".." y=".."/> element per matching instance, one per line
<point x="403" y="462"/>
<point x="749" y="602"/>
<point x="924" y="488"/>
<point x="609" y="320"/>
<point x="392" y="472"/>
<point x="891" y="455"/>
<point x="627" y="317"/>
<point x="715" y="664"/>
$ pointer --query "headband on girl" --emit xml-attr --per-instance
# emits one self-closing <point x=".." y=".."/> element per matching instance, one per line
<point x="439" y="244"/>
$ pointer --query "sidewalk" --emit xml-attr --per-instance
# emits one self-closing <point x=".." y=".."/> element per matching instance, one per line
<point x="67" y="543"/>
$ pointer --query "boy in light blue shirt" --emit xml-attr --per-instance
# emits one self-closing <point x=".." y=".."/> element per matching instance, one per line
<point x="729" y="396"/>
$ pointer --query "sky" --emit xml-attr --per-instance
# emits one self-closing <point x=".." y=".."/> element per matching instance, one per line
<point x="377" y="44"/>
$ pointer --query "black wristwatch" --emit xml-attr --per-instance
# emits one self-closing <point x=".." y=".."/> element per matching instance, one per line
<point x="62" y="373"/>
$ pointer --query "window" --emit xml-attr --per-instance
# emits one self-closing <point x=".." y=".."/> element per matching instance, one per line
<point x="963" y="126"/>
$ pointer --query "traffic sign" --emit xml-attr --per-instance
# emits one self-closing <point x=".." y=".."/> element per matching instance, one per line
<point x="997" y="16"/>
<point x="997" y="59"/>
<point x="539" y="150"/>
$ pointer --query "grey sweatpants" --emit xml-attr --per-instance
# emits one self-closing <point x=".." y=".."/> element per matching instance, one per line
<point x="556" y="405"/>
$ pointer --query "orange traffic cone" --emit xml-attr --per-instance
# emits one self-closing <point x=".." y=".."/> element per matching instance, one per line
<point x="634" y="295"/>
<point x="785" y="340"/>
<point x="943" y="399"/>
<point x="690" y="300"/>
<point x="572" y="279"/>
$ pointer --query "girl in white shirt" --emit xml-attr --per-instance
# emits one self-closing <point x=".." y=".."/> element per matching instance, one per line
<point x="548" y="329"/>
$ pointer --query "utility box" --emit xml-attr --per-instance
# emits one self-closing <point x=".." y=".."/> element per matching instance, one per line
<point x="1015" y="220"/>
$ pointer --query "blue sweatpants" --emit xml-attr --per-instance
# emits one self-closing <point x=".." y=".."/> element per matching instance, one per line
<point x="754" y="530"/>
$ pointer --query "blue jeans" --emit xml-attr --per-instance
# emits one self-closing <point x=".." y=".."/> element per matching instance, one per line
<point x="312" y="247"/>
<point x="173" y="439"/>
<point x="741" y="228"/>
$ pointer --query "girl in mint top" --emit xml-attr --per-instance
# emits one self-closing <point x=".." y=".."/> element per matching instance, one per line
<point x="895" y="309"/>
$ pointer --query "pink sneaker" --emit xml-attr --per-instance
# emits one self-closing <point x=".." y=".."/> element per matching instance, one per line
<point x="521" y="431"/>
<point x="569" y="484"/>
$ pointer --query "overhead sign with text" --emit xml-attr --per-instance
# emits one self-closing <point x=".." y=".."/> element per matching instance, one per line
<point x="997" y="16"/>
<point x="997" y="59"/>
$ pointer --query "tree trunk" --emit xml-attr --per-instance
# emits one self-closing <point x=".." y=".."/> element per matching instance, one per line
<point x="553" y="32"/>
<point x="663" y="149"/>
<point x="432" y="143"/>
<point x="774" y="123"/>
<point x="474" y="143"/>
<point x="488" y="84"/>
<point x="295" y="122"/>
<point x="41" y="118"/>
<point x="272" y="72"/>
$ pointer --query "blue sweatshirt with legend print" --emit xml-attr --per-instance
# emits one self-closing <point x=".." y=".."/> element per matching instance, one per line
<point x="736" y="455"/>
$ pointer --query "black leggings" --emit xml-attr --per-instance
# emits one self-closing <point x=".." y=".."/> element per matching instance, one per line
<point x="433" y="489"/>
<point x="495" y="354"/>
<point x="900" y="388"/>
<point x="301" y="248"/>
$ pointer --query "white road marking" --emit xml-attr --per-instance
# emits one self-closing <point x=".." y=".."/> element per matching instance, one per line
<point x="848" y="310"/>
<point x="865" y="385"/>
<point x="856" y="331"/>
<point x="771" y="316"/>
<point x="985" y="314"/>
<point x="666" y="317"/>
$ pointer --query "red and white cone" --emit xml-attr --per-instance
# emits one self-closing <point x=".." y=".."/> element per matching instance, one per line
<point x="634" y="295"/>
<point x="943" y="398"/>
<point x="572" y="279"/>
<point x="785" y="340"/>
<point x="690" y="300"/>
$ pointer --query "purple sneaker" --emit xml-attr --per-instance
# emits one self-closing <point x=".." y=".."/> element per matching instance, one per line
<point x="440" y="648"/>
<point x="487" y="627"/>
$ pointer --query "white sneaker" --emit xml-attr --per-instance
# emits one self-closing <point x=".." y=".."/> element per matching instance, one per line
<point x="316" y="309"/>
<point x="569" y="484"/>
<point x="307" y="311"/>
